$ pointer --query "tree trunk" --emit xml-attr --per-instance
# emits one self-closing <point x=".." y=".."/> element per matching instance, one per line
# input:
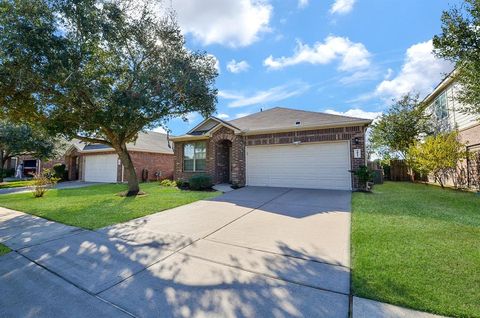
<point x="2" y="163"/>
<point x="133" y="186"/>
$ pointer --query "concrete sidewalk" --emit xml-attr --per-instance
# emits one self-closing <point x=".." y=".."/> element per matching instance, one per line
<point x="252" y="252"/>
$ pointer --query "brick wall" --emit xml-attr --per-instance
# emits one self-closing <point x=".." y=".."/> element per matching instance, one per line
<point x="470" y="136"/>
<point x="214" y="165"/>
<point x="214" y="151"/>
<point x="319" y="135"/>
<point x="153" y="162"/>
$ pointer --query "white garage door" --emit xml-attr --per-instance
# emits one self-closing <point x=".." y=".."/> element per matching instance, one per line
<point x="315" y="166"/>
<point x="101" y="168"/>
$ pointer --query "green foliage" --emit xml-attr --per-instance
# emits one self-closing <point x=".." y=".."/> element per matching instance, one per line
<point x="168" y="183"/>
<point x="182" y="183"/>
<point x="458" y="43"/>
<point x="18" y="140"/>
<point x="200" y="182"/>
<point x="364" y="175"/>
<point x="438" y="155"/>
<point x="100" y="73"/>
<point x="42" y="182"/>
<point x="399" y="128"/>
<point x="60" y="171"/>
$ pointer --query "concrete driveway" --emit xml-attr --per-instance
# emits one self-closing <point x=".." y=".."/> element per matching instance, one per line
<point x="251" y="252"/>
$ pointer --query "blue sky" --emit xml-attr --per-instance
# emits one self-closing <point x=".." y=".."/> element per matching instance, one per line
<point x="340" y="56"/>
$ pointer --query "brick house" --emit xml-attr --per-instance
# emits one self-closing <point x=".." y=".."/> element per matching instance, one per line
<point x="279" y="147"/>
<point x="151" y="154"/>
<point x="446" y="114"/>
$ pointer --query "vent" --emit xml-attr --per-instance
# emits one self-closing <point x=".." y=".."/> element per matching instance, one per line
<point x="297" y="123"/>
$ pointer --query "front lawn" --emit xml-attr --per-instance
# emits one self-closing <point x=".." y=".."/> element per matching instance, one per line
<point x="3" y="249"/>
<point x="15" y="184"/>
<point x="98" y="206"/>
<point x="418" y="246"/>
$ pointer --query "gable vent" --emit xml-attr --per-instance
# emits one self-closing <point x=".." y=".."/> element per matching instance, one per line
<point x="297" y="123"/>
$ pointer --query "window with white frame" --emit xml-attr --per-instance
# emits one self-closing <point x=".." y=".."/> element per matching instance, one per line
<point x="441" y="110"/>
<point x="194" y="156"/>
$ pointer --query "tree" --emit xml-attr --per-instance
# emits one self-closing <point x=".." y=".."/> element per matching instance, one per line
<point x="399" y="127"/>
<point x="439" y="155"/>
<point x="100" y="71"/>
<point x="459" y="42"/>
<point x="20" y="140"/>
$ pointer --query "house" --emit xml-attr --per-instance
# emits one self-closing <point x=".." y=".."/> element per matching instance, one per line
<point x="151" y="154"/>
<point x="279" y="147"/>
<point x="446" y="115"/>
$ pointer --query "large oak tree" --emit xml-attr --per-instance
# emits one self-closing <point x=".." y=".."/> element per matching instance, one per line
<point x="99" y="71"/>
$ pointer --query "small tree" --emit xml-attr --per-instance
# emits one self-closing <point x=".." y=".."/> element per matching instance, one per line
<point x="438" y="155"/>
<point x="399" y="128"/>
<point x="100" y="71"/>
<point x="20" y="140"/>
<point x="459" y="43"/>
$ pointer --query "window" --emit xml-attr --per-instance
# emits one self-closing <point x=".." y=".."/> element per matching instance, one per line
<point x="194" y="156"/>
<point x="441" y="110"/>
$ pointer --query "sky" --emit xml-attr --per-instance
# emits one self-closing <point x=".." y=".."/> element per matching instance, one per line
<point x="349" y="57"/>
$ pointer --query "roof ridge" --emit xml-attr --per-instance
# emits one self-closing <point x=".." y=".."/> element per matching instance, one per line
<point x="302" y="110"/>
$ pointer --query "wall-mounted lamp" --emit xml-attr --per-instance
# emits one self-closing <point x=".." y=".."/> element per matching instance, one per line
<point x="356" y="140"/>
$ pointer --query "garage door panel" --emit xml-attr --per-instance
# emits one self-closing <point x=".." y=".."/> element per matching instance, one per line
<point x="101" y="168"/>
<point x="319" y="166"/>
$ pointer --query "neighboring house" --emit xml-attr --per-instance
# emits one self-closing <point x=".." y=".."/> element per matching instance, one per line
<point x="279" y="147"/>
<point x="151" y="154"/>
<point x="446" y="115"/>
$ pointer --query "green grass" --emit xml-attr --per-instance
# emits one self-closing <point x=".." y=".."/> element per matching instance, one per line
<point x="98" y="206"/>
<point x="3" y="249"/>
<point x="15" y="184"/>
<point x="418" y="246"/>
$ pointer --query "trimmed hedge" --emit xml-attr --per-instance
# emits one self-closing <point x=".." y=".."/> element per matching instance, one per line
<point x="200" y="182"/>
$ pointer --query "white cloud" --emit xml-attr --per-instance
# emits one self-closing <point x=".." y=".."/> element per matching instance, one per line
<point x="352" y="55"/>
<point x="360" y="76"/>
<point x="160" y="130"/>
<point x="223" y="116"/>
<point x="241" y="115"/>
<point x="420" y="72"/>
<point x="302" y="3"/>
<point x="355" y="112"/>
<point x="233" y="23"/>
<point x="273" y="94"/>
<point x="237" y="67"/>
<point x="228" y="95"/>
<point x="342" y="6"/>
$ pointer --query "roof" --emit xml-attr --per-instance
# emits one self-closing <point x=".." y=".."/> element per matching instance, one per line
<point x="280" y="118"/>
<point x="275" y="119"/>
<point x="444" y="83"/>
<point x="147" y="141"/>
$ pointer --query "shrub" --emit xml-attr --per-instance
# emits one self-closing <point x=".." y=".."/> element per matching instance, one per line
<point x="42" y="182"/>
<point x="200" y="182"/>
<point x="182" y="184"/>
<point x="168" y="183"/>
<point x="439" y="155"/>
<point x="365" y="177"/>
<point x="60" y="171"/>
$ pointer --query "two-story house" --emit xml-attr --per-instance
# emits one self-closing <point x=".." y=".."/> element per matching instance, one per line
<point x="447" y="115"/>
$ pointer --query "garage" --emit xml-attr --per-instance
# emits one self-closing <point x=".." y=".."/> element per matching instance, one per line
<point x="313" y="165"/>
<point x="101" y="168"/>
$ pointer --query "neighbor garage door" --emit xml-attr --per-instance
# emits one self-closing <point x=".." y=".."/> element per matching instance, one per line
<point x="101" y="168"/>
<point x="316" y="166"/>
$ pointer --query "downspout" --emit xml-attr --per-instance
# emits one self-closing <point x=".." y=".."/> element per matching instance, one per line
<point x="123" y="172"/>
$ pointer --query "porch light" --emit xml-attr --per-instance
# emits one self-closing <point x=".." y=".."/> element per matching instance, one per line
<point x="356" y="140"/>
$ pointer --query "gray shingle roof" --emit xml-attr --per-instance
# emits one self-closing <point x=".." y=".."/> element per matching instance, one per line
<point x="147" y="141"/>
<point x="285" y="118"/>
